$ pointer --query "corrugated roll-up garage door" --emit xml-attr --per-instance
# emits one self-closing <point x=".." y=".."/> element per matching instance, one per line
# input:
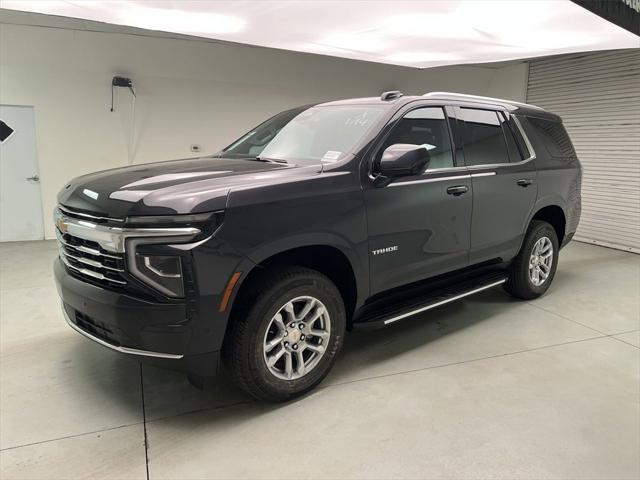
<point x="598" y="97"/>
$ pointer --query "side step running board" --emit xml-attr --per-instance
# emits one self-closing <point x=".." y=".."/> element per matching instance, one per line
<point x="442" y="302"/>
<point x="433" y="299"/>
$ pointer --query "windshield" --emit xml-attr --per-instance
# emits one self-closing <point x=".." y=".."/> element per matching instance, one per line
<point x="252" y="143"/>
<point x="323" y="133"/>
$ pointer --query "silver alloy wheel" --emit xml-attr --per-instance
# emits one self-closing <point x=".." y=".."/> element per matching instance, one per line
<point x="541" y="261"/>
<point x="296" y="338"/>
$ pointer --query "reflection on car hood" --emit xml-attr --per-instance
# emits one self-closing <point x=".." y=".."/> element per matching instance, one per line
<point x="178" y="186"/>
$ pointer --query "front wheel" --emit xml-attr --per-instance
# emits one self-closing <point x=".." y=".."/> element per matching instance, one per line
<point x="286" y="334"/>
<point x="532" y="271"/>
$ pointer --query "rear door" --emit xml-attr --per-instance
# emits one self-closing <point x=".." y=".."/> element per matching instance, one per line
<point x="504" y="182"/>
<point x="417" y="226"/>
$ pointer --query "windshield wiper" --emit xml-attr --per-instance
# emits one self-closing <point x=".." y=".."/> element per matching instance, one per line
<point x="269" y="160"/>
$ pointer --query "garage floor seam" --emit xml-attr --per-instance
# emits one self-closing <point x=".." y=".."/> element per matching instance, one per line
<point x="75" y="435"/>
<point x="467" y="361"/>
<point x="144" y="424"/>
<point x="533" y="304"/>
<point x="205" y="409"/>
<point x="322" y="387"/>
<point x="586" y="326"/>
<point x="624" y="341"/>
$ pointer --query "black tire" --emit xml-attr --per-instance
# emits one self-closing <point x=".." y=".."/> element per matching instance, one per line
<point x="519" y="283"/>
<point x="257" y="305"/>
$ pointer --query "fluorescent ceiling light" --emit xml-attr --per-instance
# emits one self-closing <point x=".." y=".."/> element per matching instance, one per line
<point x="425" y="25"/>
<point x="176" y="20"/>
<point x="418" y="33"/>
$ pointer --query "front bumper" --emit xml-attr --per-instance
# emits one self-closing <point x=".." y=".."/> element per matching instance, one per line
<point x="158" y="332"/>
<point x="105" y="303"/>
<point x="131" y="351"/>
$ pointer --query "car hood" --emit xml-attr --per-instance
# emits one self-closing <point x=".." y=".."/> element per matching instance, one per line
<point x="178" y="186"/>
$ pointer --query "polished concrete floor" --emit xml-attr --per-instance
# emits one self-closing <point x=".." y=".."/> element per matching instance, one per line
<point x="488" y="387"/>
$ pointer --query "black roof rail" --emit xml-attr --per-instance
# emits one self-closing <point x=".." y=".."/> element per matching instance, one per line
<point x="392" y="95"/>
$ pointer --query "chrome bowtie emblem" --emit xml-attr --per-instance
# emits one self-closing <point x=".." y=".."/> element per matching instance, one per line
<point x="62" y="225"/>
<point x="294" y="335"/>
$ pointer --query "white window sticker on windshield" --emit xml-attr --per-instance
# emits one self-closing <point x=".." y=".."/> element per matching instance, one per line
<point x="331" y="156"/>
<point x="359" y="120"/>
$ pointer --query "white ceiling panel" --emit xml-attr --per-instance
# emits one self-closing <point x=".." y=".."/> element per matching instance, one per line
<point x="410" y="33"/>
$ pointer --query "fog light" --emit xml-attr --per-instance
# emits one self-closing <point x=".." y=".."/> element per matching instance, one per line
<point x="161" y="272"/>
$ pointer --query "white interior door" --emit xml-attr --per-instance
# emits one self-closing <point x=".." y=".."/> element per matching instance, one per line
<point x="20" y="197"/>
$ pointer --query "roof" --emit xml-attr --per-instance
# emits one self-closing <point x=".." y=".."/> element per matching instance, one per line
<point x="510" y="105"/>
<point x="368" y="101"/>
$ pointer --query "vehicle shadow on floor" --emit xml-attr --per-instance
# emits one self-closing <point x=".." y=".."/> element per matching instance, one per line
<point x="417" y="332"/>
<point x="168" y="393"/>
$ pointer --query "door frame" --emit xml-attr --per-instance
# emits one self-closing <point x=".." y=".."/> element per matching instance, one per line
<point x="38" y="165"/>
<point x="494" y="169"/>
<point x="457" y="172"/>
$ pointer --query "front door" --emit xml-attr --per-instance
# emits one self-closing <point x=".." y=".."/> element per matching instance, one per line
<point x="504" y="183"/>
<point x="20" y="200"/>
<point x="419" y="225"/>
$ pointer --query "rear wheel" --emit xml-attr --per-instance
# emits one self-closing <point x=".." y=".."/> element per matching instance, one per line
<point x="532" y="271"/>
<point x="284" y="337"/>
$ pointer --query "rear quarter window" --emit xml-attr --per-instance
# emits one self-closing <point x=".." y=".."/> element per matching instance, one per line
<point x="517" y="133"/>
<point x="553" y="136"/>
<point x="484" y="140"/>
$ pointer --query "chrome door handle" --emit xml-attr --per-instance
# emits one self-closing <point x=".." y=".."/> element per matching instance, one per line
<point x="35" y="178"/>
<point x="457" y="190"/>
<point x="524" y="182"/>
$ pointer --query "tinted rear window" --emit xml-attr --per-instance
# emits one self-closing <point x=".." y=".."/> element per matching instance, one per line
<point x="514" y="152"/>
<point x="554" y="137"/>
<point x="517" y="133"/>
<point x="484" y="142"/>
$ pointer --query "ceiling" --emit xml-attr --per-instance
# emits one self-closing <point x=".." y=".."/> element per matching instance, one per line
<point x="411" y="33"/>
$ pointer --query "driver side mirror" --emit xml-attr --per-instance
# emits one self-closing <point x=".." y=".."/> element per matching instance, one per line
<point x="403" y="159"/>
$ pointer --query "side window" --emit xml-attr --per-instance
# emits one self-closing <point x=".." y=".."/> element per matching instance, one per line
<point x="512" y="147"/>
<point x="517" y="133"/>
<point x="424" y="126"/>
<point x="484" y="142"/>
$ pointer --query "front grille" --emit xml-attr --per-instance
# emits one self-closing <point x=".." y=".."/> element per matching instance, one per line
<point x="93" y="249"/>
<point x="93" y="217"/>
<point x="89" y="261"/>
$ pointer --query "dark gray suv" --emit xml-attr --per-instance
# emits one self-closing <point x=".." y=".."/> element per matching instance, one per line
<point x="324" y="218"/>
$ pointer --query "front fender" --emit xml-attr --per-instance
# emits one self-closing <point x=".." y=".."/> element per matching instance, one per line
<point x="281" y="245"/>
<point x="320" y="210"/>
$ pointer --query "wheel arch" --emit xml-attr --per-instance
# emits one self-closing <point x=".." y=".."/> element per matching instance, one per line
<point x="329" y="258"/>
<point x="553" y="214"/>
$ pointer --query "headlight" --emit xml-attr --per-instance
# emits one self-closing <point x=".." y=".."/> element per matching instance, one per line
<point x="162" y="272"/>
<point x="207" y="222"/>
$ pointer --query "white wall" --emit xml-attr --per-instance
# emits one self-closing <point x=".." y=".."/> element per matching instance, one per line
<point x="188" y="91"/>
